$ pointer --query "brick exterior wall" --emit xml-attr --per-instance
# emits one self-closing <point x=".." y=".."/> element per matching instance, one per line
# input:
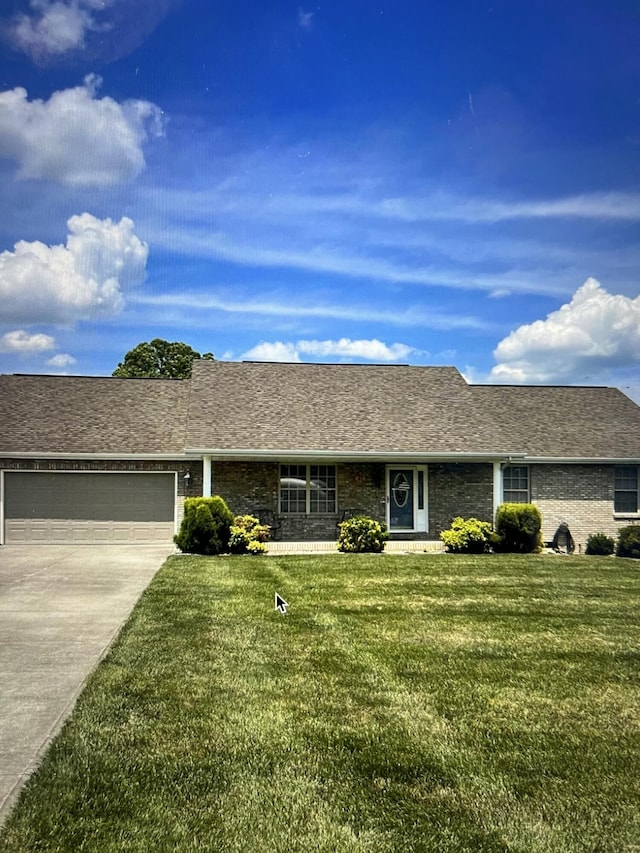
<point x="362" y="489"/>
<point x="581" y="495"/>
<point x="455" y="489"/>
<point x="248" y="487"/>
<point x="452" y="489"/>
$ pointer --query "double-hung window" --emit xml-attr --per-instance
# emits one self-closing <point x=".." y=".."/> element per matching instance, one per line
<point x="515" y="484"/>
<point x="307" y="489"/>
<point x="626" y="489"/>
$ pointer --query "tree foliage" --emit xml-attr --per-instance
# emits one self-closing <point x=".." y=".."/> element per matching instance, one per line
<point x="159" y="359"/>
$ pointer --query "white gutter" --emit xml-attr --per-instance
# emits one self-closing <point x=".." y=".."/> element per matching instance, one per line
<point x="149" y="457"/>
<point x="254" y="454"/>
<point x="583" y="460"/>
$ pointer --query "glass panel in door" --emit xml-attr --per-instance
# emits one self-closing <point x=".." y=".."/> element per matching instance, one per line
<point x="401" y="499"/>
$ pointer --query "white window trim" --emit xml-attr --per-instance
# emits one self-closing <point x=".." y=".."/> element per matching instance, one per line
<point x="307" y="510"/>
<point x="516" y="465"/>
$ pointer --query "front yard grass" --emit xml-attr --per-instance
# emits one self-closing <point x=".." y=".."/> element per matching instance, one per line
<point x="404" y="703"/>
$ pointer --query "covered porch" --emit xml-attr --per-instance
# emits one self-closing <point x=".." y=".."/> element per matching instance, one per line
<point x="305" y="498"/>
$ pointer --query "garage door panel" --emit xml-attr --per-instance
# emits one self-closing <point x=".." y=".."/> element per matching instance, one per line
<point x="53" y="531"/>
<point x="94" y="497"/>
<point x="52" y="507"/>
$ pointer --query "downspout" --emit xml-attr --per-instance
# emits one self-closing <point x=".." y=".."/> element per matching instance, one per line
<point x="206" y="476"/>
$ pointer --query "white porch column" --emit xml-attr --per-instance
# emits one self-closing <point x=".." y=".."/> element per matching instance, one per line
<point x="497" y="487"/>
<point x="206" y="476"/>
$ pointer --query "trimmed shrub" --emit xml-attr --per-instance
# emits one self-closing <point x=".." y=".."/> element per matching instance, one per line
<point x="206" y="526"/>
<point x="518" y="529"/>
<point x="629" y="541"/>
<point x="248" y="536"/>
<point x="361" y="534"/>
<point x="467" y="536"/>
<point x="599" y="544"/>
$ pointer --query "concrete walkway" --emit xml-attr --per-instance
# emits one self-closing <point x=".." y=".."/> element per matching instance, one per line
<point x="60" y="608"/>
<point x="418" y="546"/>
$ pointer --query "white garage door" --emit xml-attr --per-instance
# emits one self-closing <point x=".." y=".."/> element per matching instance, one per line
<point x="60" y="507"/>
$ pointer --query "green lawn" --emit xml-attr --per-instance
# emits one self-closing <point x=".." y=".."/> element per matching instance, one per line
<point x="404" y="703"/>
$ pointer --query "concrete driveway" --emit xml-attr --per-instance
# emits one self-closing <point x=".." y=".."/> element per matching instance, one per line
<point x="60" y="608"/>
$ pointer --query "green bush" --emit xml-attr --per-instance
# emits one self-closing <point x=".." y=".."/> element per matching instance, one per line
<point x="600" y="544"/>
<point x="362" y="535"/>
<point x="629" y="541"/>
<point x="206" y="526"/>
<point x="248" y="536"/>
<point x="517" y="529"/>
<point x="467" y="536"/>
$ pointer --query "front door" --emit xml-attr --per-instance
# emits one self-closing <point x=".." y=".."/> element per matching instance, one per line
<point x="406" y="499"/>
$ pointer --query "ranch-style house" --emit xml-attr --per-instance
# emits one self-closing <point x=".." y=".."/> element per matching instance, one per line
<point x="96" y="459"/>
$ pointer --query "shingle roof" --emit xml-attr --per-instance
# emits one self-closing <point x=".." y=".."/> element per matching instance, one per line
<point x="571" y="422"/>
<point x="83" y="414"/>
<point x="334" y="407"/>
<point x="302" y="408"/>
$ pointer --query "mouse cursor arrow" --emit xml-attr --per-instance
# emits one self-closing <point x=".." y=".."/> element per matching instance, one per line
<point x="281" y="604"/>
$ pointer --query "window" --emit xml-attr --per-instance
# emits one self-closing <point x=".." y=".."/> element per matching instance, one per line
<point x="515" y="484"/>
<point x="307" y="488"/>
<point x="625" y="489"/>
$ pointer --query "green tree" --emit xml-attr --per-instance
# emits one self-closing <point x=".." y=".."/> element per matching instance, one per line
<point x="159" y="359"/>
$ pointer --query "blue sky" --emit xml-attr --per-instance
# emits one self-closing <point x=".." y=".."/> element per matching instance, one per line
<point x="421" y="182"/>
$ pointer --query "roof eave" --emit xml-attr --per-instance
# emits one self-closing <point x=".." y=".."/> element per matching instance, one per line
<point x="160" y="457"/>
<point x="253" y="454"/>
<point x="583" y="460"/>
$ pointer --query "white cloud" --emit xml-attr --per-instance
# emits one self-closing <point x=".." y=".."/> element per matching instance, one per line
<point x="372" y="350"/>
<point x="441" y="206"/>
<point x="23" y="343"/>
<point x="62" y="359"/>
<point x="75" y="138"/>
<point x="55" y="27"/>
<point x="90" y="31"/>
<point x="305" y="19"/>
<point x="276" y="351"/>
<point x="83" y="279"/>
<point x="594" y="333"/>
<point x="412" y="315"/>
